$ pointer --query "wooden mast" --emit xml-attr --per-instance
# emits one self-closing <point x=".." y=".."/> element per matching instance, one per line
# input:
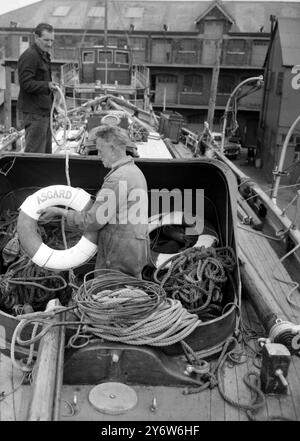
<point x="105" y="39"/>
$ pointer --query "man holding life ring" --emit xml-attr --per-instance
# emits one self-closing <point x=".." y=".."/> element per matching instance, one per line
<point x="120" y="211"/>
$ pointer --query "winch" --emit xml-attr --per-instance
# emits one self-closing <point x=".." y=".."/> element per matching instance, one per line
<point x="275" y="363"/>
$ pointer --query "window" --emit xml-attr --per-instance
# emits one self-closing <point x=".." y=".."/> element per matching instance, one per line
<point x="13" y="76"/>
<point x="61" y="11"/>
<point x="112" y="41"/>
<point x="291" y="140"/>
<point x="97" y="11"/>
<point x="88" y="57"/>
<point x="294" y="139"/>
<point x="105" y="56"/>
<point x="166" y="78"/>
<point x="138" y="43"/>
<point x="260" y="43"/>
<point x="121" y="57"/>
<point x="236" y="46"/>
<point x="192" y="84"/>
<point x="226" y="84"/>
<point x="187" y="45"/>
<point x="25" y="39"/>
<point x="194" y="118"/>
<point x="94" y="40"/>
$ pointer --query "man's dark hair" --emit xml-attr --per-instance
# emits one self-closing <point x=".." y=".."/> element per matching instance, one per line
<point x="43" y="27"/>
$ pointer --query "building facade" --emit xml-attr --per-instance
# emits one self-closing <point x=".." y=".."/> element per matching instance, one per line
<point x="281" y="100"/>
<point x="197" y="52"/>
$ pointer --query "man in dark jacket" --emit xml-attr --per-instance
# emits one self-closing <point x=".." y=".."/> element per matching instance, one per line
<point x="36" y="90"/>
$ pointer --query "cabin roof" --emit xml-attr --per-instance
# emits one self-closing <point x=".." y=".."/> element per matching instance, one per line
<point x="289" y="34"/>
<point x="144" y="15"/>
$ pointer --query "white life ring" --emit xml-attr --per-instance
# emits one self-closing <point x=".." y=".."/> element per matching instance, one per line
<point x="31" y="241"/>
<point x="207" y="238"/>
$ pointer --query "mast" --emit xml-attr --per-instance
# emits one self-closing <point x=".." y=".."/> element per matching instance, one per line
<point x="105" y="24"/>
<point x="105" y="40"/>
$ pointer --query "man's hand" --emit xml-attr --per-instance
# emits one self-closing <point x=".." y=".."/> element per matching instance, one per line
<point x="52" y="86"/>
<point x="49" y="213"/>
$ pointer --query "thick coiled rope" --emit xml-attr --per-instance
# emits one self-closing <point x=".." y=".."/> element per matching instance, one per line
<point x="114" y="307"/>
<point x="196" y="277"/>
<point x="124" y="309"/>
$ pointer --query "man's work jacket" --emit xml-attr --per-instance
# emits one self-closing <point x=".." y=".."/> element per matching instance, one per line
<point x="120" y="214"/>
<point x="34" y="72"/>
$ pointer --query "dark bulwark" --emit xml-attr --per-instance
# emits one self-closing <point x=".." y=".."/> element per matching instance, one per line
<point x="23" y="174"/>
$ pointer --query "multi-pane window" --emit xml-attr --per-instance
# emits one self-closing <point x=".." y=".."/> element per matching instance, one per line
<point x="88" y="57"/>
<point x="236" y="46"/>
<point x="137" y="43"/>
<point x="193" y="83"/>
<point x="226" y="83"/>
<point x="121" y="57"/>
<point x="166" y="78"/>
<point x="105" y="56"/>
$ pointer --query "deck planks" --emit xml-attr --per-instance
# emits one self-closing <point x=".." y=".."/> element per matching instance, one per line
<point x="264" y="259"/>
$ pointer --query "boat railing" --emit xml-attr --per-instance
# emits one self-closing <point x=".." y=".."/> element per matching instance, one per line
<point x="140" y="76"/>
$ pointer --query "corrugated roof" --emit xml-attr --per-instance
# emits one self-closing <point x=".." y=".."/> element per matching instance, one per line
<point x="289" y="34"/>
<point x="148" y="15"/>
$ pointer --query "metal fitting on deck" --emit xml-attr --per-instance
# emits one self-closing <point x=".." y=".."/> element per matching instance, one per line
<point x="274" y="369"/>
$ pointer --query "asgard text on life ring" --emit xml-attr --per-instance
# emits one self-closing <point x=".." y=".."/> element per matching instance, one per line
<point x="31" y="241"/>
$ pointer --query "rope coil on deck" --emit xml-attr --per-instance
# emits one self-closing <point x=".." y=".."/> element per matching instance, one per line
<point x="196" y="277"/>
<point x="139" y="313"/>
<point x="120" y="308"/>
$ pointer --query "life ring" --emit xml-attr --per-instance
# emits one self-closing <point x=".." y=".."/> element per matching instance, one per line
<point x="41" y="254"/>
<point x="207" y="238"/>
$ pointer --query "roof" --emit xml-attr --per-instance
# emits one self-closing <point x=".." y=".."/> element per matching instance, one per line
<point x="218" y="6"/>
<point x="289" y="35"/>
<point x="180" y="16"/>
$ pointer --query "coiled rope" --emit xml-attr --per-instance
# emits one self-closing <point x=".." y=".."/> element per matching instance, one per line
<point x="120" y="308"/>
<point x="125" y="309"/>
<point x="196" y="277"/>
<point x="26" y="283"/>
<point x="23" y="282"/>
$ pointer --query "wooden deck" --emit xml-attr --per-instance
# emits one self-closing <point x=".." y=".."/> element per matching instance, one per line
<point x="172" y="405"/>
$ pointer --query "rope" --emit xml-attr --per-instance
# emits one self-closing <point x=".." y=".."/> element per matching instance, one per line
<point x="124" y="309"/>
<point x="24" y="283"/>
<point x="117" y="307"/>
<point x="196" y="277"/>
<point x="59" y="103"/>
